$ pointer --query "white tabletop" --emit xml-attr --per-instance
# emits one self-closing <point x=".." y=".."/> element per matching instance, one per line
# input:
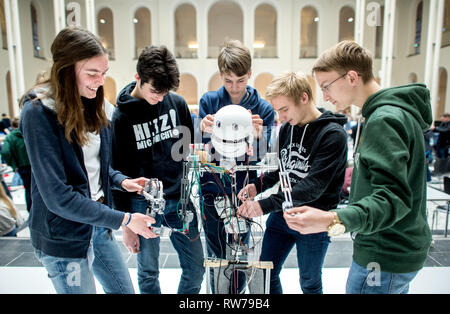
<point x="436" y="195"/>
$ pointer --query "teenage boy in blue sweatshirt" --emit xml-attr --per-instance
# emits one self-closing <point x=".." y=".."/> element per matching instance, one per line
<point x="234" y="63"/>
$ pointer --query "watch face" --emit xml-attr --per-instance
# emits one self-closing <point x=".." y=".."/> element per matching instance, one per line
<point x="336" y="229"/>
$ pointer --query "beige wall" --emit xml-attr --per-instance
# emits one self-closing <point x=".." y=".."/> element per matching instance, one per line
<point x="122" y="69"/>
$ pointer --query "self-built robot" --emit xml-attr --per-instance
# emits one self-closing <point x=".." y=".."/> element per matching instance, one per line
<point x="231" y="137"/>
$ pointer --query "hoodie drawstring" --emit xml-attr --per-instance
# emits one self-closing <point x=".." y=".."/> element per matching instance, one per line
<point x="301" y="144"/>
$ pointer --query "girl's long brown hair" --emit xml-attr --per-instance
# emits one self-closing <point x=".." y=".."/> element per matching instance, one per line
<point x="73" y="44"/>
<point x="5" y="199"/>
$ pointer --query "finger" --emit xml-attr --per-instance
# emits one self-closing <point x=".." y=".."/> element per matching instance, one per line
<point x="257" y="119"/>
<point x="138" y="188"/>
<point x="296" y="210"/>
<point x="288" y="217"/>
<point x="137" y="245"/>
<point x="242" y="195"/>
<point x="150" y="220"/>
<point x="240" y="210"/>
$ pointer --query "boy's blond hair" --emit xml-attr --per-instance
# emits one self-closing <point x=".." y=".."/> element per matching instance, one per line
<point x="290" y="84"/>
<point x="346" y="56"/>
<point x="234" y="58"/>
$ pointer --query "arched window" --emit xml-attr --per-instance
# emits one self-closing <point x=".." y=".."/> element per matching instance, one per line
<point x="110" y="89"/>
<point x="265" y="44"/>
<point x="35" y="31"/>
<point x="346" y="23"/>
<point x="309" y="23"/>
<point x="446" y="27"/>
<point x="417" y="30"/>
<point x="214" y="82"/>
<point x="3" y="25"/>
<point x="142" y="30"/>
<point x="442" y="93"/>
<point x="105" y="27"/>
<point x="261" y="82"/>
<point x="188" y="88"/>
<point x="186" y="44"/>
<point x="225" y="21"/>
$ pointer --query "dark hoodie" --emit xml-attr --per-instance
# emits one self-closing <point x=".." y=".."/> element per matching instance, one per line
<point x="315" y="155"/>
<point x="387" y="211"/>
<point x="150" y="140"/>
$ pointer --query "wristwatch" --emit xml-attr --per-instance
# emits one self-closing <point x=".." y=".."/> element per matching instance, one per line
<point x="337" y="227"/>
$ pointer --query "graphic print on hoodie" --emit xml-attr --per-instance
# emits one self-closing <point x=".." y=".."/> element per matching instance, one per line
<point x="159" y="129"/>
<point x="315" y="155"/>
<point x="295" y="162"/>
<point x="148" y="141"/>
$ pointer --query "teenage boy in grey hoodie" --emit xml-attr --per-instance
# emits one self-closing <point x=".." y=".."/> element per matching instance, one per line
<point x="313" y="149"/>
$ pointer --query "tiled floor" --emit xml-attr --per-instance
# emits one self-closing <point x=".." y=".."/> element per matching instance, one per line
<point x="20" y="272"/>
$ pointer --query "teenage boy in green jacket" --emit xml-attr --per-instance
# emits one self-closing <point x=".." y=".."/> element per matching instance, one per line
<point x="387" y="205"/>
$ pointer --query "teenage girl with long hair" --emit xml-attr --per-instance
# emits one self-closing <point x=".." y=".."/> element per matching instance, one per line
<point x="67" y="136"/>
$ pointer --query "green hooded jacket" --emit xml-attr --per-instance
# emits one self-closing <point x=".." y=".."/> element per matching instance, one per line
<point x="14" y="152"/>
<point x="387" y="202"/>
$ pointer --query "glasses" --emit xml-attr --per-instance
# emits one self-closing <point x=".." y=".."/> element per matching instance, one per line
<point x="326" y="87"/>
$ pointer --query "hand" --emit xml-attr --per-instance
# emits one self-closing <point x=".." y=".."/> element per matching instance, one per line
<point x="308" y="220"/>
<point x="247" y="192"/>
<point x="134" y="185"/>
<point x="257" y="123"/>
<point x="130" y="240"/>
<point x="250" y="209"/>
<point x="207" y="124"/>
<point x="139" y="224"/>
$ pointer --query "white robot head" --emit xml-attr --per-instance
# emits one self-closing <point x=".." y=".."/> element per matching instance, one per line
<point x="232" y="131"/>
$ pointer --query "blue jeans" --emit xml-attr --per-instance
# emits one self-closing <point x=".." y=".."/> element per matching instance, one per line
<point x="279" y="240"/>
<point x="12" y="233"/>
<point x="369" y="280"/>
<point x="76" y="275"/>
<point x="216" y="243"/>
<point x="189" y="249"/>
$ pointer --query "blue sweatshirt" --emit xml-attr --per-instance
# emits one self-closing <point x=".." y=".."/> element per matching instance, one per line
<point x="213" y="101"/>
<point x="62" y="212"/>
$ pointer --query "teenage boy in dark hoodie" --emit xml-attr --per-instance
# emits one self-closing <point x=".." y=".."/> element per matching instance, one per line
<point x="313" y="149"/>
<point x="148" y="125"/>
<point x="234" y="64"/>
<point x="387" y="203"/>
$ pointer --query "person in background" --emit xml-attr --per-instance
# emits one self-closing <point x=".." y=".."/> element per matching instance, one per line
<point x="15" y="155"/>
<point x="442" y="144"/>
<point x="67" y="136"/>
<point x="10" y="218"/>
<point x="5" y="124"/>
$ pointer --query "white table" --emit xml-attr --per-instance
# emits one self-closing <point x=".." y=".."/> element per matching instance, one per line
<point x="437" y="195"/>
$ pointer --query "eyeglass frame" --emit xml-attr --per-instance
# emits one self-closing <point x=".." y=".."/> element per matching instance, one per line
<point x="324" y="89"/>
